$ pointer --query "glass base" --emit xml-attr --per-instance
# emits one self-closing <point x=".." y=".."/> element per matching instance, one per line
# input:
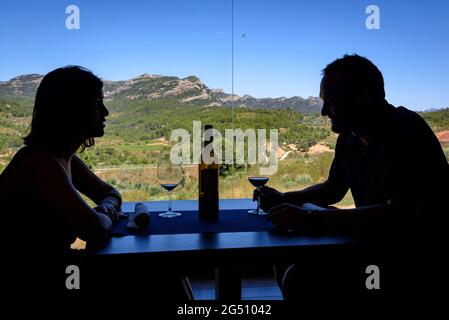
<point x="169" y="214"/>
<point x="260" y="212"/>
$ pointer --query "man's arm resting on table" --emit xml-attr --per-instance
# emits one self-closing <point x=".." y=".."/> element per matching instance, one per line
<point x="321" y="194"/>
<point x="367" y="218"/>
<point x="375" y="218"/>
<point x="353" y="219"/>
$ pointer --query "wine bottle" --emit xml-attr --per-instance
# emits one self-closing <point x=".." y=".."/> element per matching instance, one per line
<point x="208" y="199"/>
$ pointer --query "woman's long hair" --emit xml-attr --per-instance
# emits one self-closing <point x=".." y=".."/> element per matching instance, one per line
<point x="61" y="108"/>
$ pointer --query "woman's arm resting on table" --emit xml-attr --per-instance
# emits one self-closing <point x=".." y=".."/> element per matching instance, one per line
<point x="107" y="198"/>
<point x="55" y="189"/>
<point x="88" y="183"/>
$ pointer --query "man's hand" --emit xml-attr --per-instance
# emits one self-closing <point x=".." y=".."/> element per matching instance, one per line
<point x="108" y="209"/>
<point x="269" y="197"/>
<point x="289" y="217"/>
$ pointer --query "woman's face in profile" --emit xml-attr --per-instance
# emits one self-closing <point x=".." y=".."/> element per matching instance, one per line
<point x="97" y="114"/>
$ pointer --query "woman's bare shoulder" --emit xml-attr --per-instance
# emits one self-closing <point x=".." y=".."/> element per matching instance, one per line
<point x="38" y="159"/>
<point x="28" y="162"/>
<point x="33" y="172"/>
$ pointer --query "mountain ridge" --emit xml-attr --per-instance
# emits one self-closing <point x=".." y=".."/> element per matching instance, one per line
<point x="152" y="86"/>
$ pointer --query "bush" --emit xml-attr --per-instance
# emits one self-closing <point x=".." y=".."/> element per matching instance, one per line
<point x="304" y="179"/>
<point x="154" y="190"/>
<point x="288" y="181"/>
<point x="290" y="184"/>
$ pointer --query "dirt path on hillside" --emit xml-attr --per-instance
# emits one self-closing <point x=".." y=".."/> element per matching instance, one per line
<point x="319" y="148"/>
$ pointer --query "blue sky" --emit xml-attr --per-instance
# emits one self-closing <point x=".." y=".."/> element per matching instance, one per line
<point x="286" y="43"/>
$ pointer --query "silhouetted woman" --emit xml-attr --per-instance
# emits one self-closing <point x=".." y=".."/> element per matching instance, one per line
<point x="43" y="212"/>
<point x="39" y="188"/>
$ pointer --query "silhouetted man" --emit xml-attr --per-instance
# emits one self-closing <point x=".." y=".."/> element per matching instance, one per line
<point x="396" y="170"/>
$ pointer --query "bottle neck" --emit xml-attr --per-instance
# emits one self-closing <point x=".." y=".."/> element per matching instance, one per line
<point x="209" y="140"/>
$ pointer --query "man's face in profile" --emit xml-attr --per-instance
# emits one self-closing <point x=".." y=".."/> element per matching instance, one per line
<point x="328" y="86"/>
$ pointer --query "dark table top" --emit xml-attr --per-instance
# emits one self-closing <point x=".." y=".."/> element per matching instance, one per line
<point x="219" y="248"/>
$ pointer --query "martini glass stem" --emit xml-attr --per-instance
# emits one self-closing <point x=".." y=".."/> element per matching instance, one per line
<point x="169" y="201"/>
<point x="258" y="201"/>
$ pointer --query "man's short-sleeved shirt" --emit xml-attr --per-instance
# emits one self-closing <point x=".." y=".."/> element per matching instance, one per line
<point x="404" y="163"/>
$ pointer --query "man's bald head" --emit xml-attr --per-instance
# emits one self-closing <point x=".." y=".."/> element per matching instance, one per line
<point x="352" y="89"/>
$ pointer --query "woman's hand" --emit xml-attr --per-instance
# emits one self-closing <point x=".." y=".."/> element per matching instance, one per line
<point x="107" y="208"/>
<point x="290" y="217"/>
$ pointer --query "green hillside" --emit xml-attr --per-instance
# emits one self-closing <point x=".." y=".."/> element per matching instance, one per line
<point x="438" y="120"/>
<point x="134" y="125"/>
<point x="146" y="120"/>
